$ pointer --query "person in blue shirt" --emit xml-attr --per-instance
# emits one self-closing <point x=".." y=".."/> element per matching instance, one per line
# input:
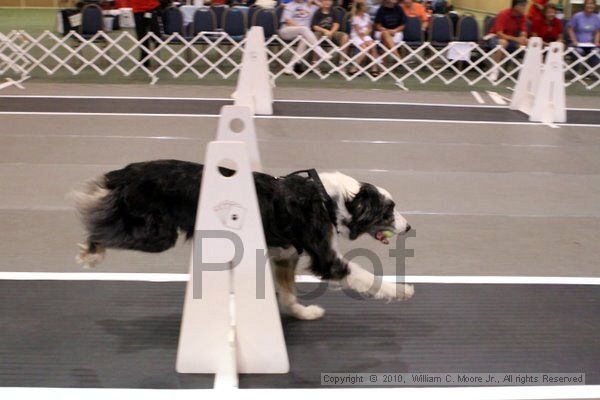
<point x="584" y="31"/>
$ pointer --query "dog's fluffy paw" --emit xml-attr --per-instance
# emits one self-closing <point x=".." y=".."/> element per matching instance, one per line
<point x="307" y="313"/>
<point x="87" y="259"/>
<point x="395" y="291"/>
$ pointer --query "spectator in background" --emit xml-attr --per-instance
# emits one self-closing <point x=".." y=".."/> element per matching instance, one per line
<point x="361" y="35"/>
<point x="510" y="30"/>
<point x="389" y="24"/>
<point x="441" y="7"/>
<point x="295" y="21"/>
<point x="145" y="13"/>
<point x="412" y="9"/>
<point x="326" y="22"/>
<point x="536" y="11"/>
<point x="584" y="30"/>
<point x="266" y="3"/>
<point x="548" y="28"/>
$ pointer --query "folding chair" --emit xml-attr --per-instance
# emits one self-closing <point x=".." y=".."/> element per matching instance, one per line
<point x="267" y="19"/>
<point x="92" y="21"/>
<point x="488" y="23"/>
<point x="251" y="11"/>
<point x="413" y="32"/>
<point x="172" y="18"/>
<point x="467" y="29"/>
<point x="235" y="23"/>
<point x="219" y="10"/>
<point x="440" y="31"/>
<point x="205" y="20"/>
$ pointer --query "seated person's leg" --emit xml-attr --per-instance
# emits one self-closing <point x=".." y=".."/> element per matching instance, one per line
<point x="387" y="39"/>
<point x="374" y="54"/>
<point x="340" y="39"/>
<point x="497" y="56"/>
<point x="318" y="35"/>
<point x="310" y="37"/>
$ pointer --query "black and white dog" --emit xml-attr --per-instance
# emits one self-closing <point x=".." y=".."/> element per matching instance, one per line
<point x="145" y="206"/>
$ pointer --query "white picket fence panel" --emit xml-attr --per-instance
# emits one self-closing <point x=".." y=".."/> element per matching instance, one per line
<point x="217" y="53"/>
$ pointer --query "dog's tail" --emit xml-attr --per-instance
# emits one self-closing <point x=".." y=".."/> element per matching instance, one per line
<point x="94" y="205"/>
<point x="90" y="201"/>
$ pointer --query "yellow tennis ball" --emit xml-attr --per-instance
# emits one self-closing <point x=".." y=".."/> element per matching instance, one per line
<point x="388" y="234"/>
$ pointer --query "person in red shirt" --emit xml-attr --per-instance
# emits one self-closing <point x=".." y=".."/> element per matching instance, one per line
<point x="412" y="9"/>
<point x="550" y="28"/>
<point x="510" y="32"/>
<point x="536" y="11"/>
<point x="146" y="14"/>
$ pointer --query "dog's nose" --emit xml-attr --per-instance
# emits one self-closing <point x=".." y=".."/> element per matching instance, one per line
<point x="407" y="228"/>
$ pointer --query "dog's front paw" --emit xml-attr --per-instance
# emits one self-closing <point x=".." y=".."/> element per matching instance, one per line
<point x="87" y="258"/>
<point x="408" y="291"/>
<point x="307" y="313"/>
<point x="392" y="291"/>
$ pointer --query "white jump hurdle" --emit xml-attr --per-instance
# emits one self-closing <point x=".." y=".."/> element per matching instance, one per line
<point x="254" y="86"/>
<point x="230" y="322"/>
<point x="540" y="90"/>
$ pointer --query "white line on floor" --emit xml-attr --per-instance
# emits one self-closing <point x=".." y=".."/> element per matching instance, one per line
<point x="437" y="121"/>
<point x="165" y="277"/>
<point x="455" y="393"/>
<point x="477" y="97"/>
<point x="496" y="97"/>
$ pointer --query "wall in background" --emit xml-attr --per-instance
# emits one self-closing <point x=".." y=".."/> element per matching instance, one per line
<point x="32" y="3"/>
<point x="482" y="6"/>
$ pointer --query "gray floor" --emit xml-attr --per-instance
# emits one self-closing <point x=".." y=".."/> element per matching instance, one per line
<point x="98" y="334"/>
<point x="485" y="199"/>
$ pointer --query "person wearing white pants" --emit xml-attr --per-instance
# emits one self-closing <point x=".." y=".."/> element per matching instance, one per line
<point x="296" y="20"/>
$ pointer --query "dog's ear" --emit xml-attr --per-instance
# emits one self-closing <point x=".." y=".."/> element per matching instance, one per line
<point x="364" y="207"/>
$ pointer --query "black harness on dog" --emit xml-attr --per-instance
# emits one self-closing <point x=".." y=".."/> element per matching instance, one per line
<point x="327" y="200"/>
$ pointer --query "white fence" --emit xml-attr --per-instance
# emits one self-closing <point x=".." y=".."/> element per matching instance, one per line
<point x="218" y="54"/>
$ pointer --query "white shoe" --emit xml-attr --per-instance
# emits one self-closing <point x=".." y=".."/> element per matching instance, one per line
<point x="325" y="55"/>
<point x="494" y="74"/>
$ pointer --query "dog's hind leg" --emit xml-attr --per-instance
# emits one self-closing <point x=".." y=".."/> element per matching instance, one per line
<point x="90" y="254"/>
<point x="285" y="280"/>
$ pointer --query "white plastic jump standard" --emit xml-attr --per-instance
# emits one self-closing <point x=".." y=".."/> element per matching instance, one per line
<point x="230" y="204"/>
<point x="529" y="77"/>
<point x="550" y="103"/>
<point x="254" y="87"/>
<point x="540" y="90"/>
<point x="236" y="124"/>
